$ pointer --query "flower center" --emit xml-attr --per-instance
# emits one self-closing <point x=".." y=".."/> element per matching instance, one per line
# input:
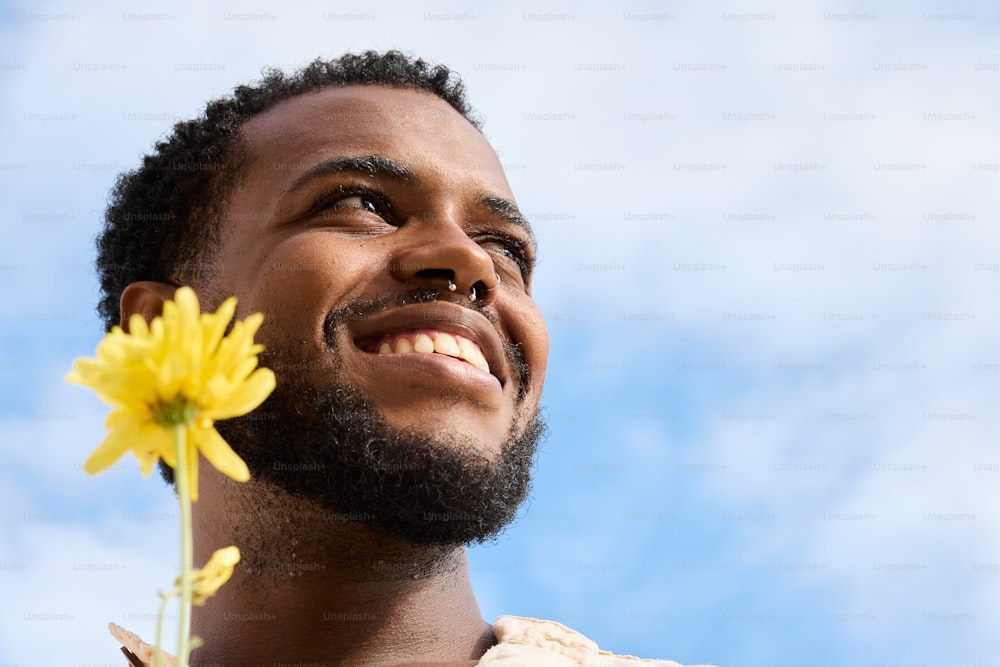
<point x="176" y="412"/>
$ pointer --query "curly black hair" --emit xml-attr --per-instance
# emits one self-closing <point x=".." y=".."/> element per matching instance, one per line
<point x="162" y="220"/>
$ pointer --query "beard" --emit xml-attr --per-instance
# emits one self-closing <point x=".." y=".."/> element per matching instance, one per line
<point x="331" y="446"/>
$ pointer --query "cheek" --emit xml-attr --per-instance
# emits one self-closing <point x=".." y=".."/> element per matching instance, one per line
<point x="527" y="327"/>
<point x="299" y="281"/>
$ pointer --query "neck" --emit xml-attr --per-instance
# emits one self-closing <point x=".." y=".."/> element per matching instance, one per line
<point x="318" y="587"/>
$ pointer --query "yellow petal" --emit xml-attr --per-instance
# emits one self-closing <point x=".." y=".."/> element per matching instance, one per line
<point x="188" y="318"/>
<point x="159" y="441"/>
<point x="146" y="461"/>
<point x="115" y="444"/>
<point x="242" y="369"/>
<point x="247" y="396"/>
<point x="137" y="326"/>
<point x="214" y="326"/>
<point x="220" y="454"/>
<point x="225" y="557"/>
<point x="217" y="571"/>
<point x="156" y="442"/>
<point x="170" y="375"/>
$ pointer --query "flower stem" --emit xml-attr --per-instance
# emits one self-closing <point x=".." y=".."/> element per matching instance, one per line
<point x="187" y="545"/>
<point x="158" y="653"/>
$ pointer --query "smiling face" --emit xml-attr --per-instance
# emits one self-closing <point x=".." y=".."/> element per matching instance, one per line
<point x="365" y="219"/>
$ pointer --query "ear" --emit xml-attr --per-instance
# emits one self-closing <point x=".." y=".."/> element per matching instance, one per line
<point x="145" y="298"/>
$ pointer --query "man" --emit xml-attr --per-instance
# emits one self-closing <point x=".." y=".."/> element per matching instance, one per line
<point x="357" y="205"/>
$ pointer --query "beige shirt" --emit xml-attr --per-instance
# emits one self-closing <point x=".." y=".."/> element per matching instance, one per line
<point x="521" y="642"/>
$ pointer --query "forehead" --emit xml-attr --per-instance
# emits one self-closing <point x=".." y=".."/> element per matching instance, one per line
<point x="414" y="127"/>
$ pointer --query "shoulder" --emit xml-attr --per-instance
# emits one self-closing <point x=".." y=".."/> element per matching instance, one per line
<point x="530" y="642"/>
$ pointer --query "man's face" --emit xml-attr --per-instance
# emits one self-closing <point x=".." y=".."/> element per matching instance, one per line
<point x="365" y="219"/>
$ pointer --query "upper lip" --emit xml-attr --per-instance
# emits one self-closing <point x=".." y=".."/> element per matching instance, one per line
<point x="439" y="316"/>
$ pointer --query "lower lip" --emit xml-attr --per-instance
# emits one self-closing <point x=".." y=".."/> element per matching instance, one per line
<point x="440" y="366"/>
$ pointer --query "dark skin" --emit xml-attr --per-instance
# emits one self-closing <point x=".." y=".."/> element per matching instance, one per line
<point x="308" y="232"/>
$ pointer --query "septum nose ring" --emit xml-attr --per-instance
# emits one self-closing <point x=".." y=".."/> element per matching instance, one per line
<point x="472" y="293"/>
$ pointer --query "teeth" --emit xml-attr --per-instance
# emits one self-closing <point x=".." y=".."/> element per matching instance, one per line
<point x="467" y="349"/>
<point x="446" y="344"/>
<point x="471" y="353"/>
<point x="442" y="343"/>
<point x="423" y="343"/>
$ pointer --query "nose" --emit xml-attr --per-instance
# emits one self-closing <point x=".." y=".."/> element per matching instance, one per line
<point x="442" y="256"/>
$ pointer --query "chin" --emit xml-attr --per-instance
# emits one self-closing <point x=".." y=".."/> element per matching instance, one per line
<point x="453" y="428"/>
<point x="439" y="472"/>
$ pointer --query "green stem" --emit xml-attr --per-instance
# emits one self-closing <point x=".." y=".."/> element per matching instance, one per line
<point x="187" y="546"/>
<point x="158" y="652"/>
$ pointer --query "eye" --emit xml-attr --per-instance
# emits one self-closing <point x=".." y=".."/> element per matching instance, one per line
<point x="512" y="252"/>
<point x="356" y="201"/>
<point x="349" y="199"/>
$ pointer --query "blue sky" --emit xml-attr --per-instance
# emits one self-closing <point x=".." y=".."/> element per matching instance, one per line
<point x="770" y="263"/>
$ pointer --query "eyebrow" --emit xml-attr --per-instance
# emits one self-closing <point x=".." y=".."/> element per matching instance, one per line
<point x="509" y="211"/>
<point x="374" y="166"/>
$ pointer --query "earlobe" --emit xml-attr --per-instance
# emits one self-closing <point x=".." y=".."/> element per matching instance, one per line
<point x="145" y="298"/>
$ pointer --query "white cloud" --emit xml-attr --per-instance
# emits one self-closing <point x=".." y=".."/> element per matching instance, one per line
<point x="694" y="215"/>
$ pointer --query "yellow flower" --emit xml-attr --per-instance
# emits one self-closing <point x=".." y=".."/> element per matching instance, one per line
<point x="178" y="372"/>
<point x="218" y="569"/>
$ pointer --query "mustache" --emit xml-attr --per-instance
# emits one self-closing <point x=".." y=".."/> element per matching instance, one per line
<point x="365" y="308"/>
